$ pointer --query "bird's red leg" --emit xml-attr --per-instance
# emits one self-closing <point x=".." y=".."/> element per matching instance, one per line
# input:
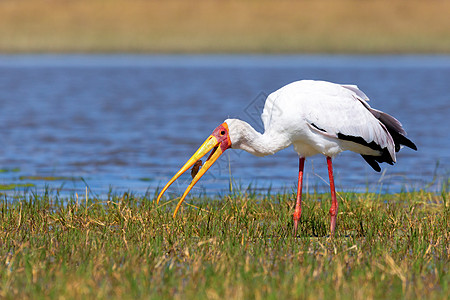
<point x="334" y="204"/>
<point x="298" y="205"/>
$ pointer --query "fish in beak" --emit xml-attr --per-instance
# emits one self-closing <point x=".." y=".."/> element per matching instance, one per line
<point x="218" y="142"/>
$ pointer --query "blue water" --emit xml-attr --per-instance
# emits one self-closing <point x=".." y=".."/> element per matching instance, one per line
<point x="129" y="122"/>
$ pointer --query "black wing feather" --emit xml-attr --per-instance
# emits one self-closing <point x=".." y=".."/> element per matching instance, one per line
<point x="398" y="134"/>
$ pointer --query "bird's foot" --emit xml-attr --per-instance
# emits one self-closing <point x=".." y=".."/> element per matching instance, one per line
<point x="332" y="225"/>
<point x="333" y="217"/>
<point x="297" y="215"/>
<point x="295" y="228"/>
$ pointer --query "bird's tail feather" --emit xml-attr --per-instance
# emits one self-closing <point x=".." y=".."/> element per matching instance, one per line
<point x="398" y="134"/>
<point x="395" y="129"/>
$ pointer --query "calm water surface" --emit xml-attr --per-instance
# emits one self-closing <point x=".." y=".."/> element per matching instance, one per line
<point x="129" y="122"/>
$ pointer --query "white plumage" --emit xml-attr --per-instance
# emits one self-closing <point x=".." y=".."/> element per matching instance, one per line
<point x="313" y="112"/>
<point x="316" y="117"/>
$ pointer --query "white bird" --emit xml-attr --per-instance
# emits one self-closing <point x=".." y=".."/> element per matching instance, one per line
<point x="316" y="117"/>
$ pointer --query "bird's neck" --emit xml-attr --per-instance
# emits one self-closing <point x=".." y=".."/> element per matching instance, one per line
<point x="252" y="141"/>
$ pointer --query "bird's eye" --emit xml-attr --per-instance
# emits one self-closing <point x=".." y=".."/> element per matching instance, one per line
<point x="222" y="132"/>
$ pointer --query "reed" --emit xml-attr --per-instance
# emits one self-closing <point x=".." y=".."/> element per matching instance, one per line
<point x="203" y="26"/>
<point x="125" y="247"/>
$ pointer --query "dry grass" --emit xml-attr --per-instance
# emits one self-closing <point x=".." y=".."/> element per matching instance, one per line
<point x="241" y="247"/>
<point x="377" y="26"/>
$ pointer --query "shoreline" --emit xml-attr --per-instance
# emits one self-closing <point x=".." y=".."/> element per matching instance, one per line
<point x="264" y="27"/>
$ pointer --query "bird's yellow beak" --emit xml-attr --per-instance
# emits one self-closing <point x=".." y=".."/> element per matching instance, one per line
<point x="218" y="142"/>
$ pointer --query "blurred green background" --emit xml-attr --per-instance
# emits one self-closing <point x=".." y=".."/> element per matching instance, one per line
<point x="248" y="26"/>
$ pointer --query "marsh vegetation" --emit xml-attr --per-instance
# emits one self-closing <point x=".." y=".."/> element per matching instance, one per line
<point x="241" y="246"/>
<point x="326" y="26"/>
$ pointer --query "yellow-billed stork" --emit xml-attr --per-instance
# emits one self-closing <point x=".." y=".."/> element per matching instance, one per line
<point x="316" y="117"/>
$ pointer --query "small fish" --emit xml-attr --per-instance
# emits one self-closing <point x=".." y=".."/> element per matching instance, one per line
<point x="196" y="167"/>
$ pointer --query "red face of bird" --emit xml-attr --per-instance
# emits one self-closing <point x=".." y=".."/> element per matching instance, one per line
<point x="218" y="142"/>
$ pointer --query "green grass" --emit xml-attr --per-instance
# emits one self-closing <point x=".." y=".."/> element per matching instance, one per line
<point x="10" y="170"/>
<point x="47" y="178"/>
<point x="387" y="246"/>
<point x="14" y="186"/>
